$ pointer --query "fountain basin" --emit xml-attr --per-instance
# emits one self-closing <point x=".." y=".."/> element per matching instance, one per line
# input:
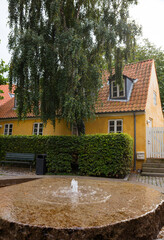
<point x="102" y="209"/>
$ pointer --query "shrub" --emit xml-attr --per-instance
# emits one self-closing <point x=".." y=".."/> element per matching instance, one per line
<point x="107" y="155"/>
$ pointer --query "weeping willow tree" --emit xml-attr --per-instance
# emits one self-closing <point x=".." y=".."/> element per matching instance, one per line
<point x="58" y="48"/>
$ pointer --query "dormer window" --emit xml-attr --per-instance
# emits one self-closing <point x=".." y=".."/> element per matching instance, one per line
<point x="121" y="92"/>
<point x="116" y="90"/>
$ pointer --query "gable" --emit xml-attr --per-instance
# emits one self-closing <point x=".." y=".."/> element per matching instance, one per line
<point x="153" y="106"/>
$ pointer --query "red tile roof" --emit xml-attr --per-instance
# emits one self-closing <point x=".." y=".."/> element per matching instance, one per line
<point x="140" y="71"/>
<point x="7" y="103"/>
<point x="137" y="102"/>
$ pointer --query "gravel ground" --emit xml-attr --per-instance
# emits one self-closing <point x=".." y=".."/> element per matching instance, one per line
<point x="16" y="171"/>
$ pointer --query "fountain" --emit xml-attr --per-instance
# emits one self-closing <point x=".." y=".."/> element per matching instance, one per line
<point x="74" y="186"/>
<point x="81" y="208"/>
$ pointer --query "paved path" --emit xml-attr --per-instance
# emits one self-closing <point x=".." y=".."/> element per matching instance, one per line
<point x="155" y="181"/>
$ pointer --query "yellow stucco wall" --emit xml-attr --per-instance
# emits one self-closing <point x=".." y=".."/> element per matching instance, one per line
<point x="154" y="112"/>
<point x="26" y="127"/>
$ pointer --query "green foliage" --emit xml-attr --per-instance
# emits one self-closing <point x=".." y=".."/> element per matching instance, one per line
<point x="3" y="69"/>
<point x="106" y="155"/>
<point x="150" y="51"/>
<point x="95" y="155"/>
<point x="1" y="97"/>
<point x="22" y="144"/>
<point x="58" y="49"/>
<point x="59" y="162"/>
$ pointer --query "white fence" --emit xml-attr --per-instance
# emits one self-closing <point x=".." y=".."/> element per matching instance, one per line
<point x="155" y="142"/>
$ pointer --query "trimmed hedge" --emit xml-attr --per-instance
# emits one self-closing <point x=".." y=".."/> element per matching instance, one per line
<point x="107" y="155"/>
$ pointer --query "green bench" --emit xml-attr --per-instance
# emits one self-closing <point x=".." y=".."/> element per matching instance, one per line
<point x="19" y="158"/>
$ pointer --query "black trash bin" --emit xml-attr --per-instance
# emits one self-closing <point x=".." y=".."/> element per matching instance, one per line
<point x="41" y="164"/>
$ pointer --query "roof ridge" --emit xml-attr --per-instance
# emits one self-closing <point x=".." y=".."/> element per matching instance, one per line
<point x="142" y="61"/>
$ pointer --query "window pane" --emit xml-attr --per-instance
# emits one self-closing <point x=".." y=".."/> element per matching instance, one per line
<point x="41" y="129"/>
<point x="6" y="129"/>
<point x="121" y="94"/>
<point x="111" y="126"/>
<point x="35" y="129"/>
<point x="122" y="90"/>
<point x="111" y="123"/>
<point x="119" y="123"/>
<point x="115" y="92"/>
<point x="114" y="89"/>
<point x="111" y="129"/>
<point x="10" y="132"/>
<point x="119" y="126"/>
<point x="6" y="126"/>
<point x="119" y="129"/>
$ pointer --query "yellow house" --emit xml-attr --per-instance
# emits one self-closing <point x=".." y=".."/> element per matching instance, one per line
<point x="129" y="109"/>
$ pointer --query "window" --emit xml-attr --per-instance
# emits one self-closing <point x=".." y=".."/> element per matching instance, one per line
<point x="74" y="129"/>
<point x="154" y="98"/>
<point x="38" y="129"/>
<point x="8" y="129"/>
<point x="116" y="90"/>
<point x="115" y="126"/>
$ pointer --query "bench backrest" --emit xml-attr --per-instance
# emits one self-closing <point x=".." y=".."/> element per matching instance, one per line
<point x="20" y="156"/>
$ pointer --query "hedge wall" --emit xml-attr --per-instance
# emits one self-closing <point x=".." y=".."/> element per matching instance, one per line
<point x="106" y="155"/>
<point x="94" y="155"/>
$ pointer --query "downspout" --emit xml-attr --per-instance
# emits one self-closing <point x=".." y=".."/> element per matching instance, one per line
<point x="134" y="167"/>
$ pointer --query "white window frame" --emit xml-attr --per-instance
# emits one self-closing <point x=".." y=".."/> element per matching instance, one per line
<point x="10" y="126"/>
<point x="118" y="89"/>
<point x="38" y="127"/>
<point x="154" y="98"/>
<point x="115" y="125"/>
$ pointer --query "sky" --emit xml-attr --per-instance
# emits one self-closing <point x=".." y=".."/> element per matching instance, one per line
<point x="148" y="13"/>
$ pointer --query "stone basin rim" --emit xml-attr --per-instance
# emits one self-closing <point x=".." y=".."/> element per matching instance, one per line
<point x="85" y="228"/>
